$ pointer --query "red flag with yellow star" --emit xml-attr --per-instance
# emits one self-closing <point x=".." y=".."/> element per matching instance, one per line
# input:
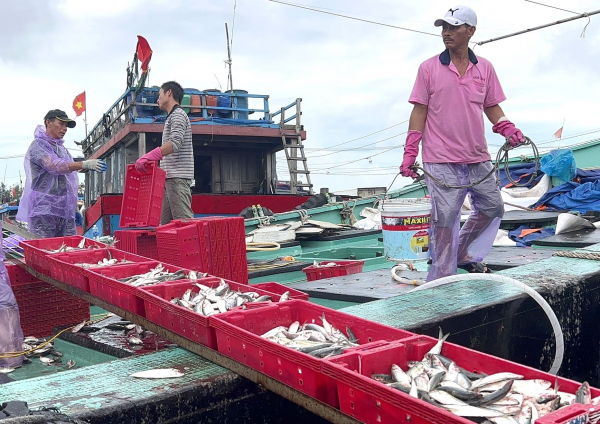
<point x="79" y="104"/>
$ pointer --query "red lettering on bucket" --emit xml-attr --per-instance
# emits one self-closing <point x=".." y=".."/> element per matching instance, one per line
<point x="405" y="223"/>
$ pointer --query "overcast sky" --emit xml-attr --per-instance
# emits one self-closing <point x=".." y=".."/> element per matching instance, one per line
<point x="354" y="77"/>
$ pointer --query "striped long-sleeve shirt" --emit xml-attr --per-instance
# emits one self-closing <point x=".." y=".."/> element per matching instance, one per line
<point x="178" y="130"/>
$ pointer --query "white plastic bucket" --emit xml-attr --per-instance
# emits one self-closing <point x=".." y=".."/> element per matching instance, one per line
<point x="405" y="227"/>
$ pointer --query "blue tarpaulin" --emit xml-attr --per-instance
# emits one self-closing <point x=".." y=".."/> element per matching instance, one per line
<point x="572" y="196"/>
<point x="526" y="241"/>
<point x="523" y="171"/>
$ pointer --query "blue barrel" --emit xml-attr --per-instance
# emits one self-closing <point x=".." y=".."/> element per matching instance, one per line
<point x="224" y="101"/>
<point x="239" y="103"/>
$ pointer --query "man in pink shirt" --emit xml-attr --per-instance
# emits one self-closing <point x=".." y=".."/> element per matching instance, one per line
<point x="450" y="96"/>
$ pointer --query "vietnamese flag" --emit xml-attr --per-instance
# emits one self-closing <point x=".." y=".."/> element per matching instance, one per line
<point x="144" y="53"/>
<point x="79" y="104"/>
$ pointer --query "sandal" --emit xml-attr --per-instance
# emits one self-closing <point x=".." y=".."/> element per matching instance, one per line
<point x="476" y="268"/>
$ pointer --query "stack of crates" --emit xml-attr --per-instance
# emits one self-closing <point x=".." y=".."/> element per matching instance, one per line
<point x="43" y="307"/>
<point x="219" y="250"/>
<point x="138" y="242"/>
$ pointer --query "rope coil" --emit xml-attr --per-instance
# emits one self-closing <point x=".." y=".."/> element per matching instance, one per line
<point x="501" y="158"/>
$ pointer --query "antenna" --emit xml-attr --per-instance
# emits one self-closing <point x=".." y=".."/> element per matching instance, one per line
<point x="228" y="62"/>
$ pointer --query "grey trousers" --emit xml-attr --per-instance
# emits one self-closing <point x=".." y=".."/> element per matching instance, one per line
<point x="177" y="201"/>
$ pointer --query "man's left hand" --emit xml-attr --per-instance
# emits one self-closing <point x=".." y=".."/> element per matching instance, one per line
<point x="508" y="130"/>
<point x="152" y="156"/>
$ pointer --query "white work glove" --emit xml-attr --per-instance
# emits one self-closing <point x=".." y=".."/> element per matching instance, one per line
<point x="97" y="165"/>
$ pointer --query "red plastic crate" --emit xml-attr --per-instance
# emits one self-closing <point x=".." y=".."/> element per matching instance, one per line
<point x="62" y="266"/>
<point x="36" y="251"/>
<point x="104" y="284"/>
<point x="142" y="196"/>
<point x="341" y="268"/>
<point x="139" y="242"/>
<point x="219" y="246"/>
<point x="42" y="307"/>
<point x="574" y="414"/>
<point x="179" y="244"/>
<point x="239" y="337"/>
<point x="18" y="275"/>
<point x="372" y="402"/>
<point x="237" y="250"/>
<point x="193" y="326"/>
<point x="281" y="289"/>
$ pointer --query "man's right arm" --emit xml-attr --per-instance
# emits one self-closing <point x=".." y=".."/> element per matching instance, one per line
<point x="418" y="116"/>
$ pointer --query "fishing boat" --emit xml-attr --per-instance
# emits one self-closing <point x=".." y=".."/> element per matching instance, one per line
<point x="235" y="170"/>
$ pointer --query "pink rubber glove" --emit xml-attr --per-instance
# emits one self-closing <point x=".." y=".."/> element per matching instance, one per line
<point x="508" y="130"/>
<point x="411" y="150"/>
<point x="152" y="156"/>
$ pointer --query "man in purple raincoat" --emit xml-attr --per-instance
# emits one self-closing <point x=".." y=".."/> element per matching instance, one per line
<point x="49" y="199"/>
<point x="452" y="92"/>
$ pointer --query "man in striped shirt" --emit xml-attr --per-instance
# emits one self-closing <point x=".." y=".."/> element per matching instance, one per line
<point x="176" y="155"/>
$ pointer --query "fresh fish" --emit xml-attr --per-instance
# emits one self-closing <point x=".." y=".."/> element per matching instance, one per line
<point x="159" y="373"/>
<point x="435" y="380"/>
<point x="187" y="295"/>
<point x="263" y="298"/>
<point x="222" y="305"/>
<point x="422" y="381"/>
<point x="399" y="386"/>
<point x="495" y="378"/>
<point x="328" y="328"/>
<point x="207" y="307"/>
<point x="437" y="349"/>
<point x="505" y="409"/>
<point x="525" y="415"/>
<point x="400" y="376"/>
<point x="46" y="360"/>
<point x="463" y="381"/>
<point x="70" y="363"/>
<point x="351" y="337"/>
<point x="473" y="411"/>
<point x="415" y="370"/>
<point x="453" y="371"/>
<point x="192" y="275"/>
<point x="294" y="326"/>
<point x="459" y="392"/>
<point x="503" y="420"/>
<point x="583" y="394"/>
<point x="494" y="396"/>
<point x="413" y="390"/>
<point x="134" y="341"/>
<point x="6" y="370"/>
<point x="285" y="296"/>
<point x="78" y="327"/>
<point x="383" y="378"/>
<point x="446" y="398"/>
<point x="530" y="386"/>
<point x="273" y="332"/>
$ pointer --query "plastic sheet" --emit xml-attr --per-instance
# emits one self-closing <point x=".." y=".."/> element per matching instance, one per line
<point x="451" y="245"/>
<point x="50" y="187"/>
<point x="559" y="163"/>
<point x="11" y="335"/>
<point x="571" y="196"/>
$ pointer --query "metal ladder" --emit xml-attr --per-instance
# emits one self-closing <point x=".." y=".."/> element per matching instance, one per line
<point x="294" y="149"/>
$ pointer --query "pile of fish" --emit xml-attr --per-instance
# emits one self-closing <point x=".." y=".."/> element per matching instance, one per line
<point x="159" y="275"/>
<point x="503" y="398"/>
<point x="104" y="262"/>
<point x="209" y="301"/>
<point x="45" y="352"/>
<point x="316" y="340"/>
<point x="81" y="246"/>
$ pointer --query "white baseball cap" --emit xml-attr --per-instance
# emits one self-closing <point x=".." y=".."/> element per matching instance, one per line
<point x="458" y="15"/>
